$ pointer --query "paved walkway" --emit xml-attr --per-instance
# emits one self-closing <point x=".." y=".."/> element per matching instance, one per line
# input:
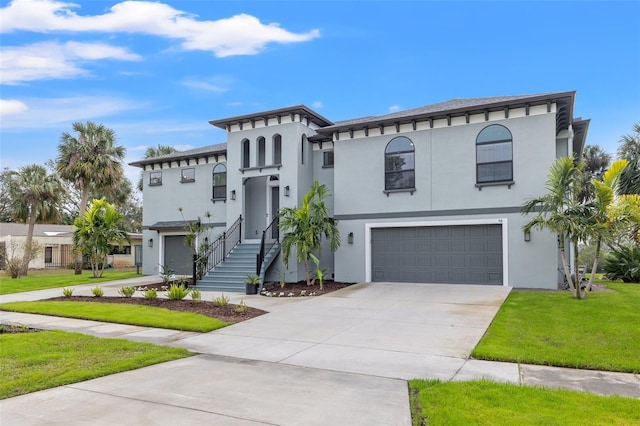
<point x="310" y="361"/>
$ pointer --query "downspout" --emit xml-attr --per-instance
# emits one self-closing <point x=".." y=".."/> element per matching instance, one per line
<point x="572" y="254"/>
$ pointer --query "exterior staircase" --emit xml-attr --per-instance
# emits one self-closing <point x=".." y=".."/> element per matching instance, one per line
<point x="229" y="275"/>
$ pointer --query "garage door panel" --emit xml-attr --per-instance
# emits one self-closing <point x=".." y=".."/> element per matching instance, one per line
<point x="462" y="254"/>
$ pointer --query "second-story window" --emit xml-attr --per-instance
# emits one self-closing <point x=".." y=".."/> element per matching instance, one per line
<point x="220" y="182"/>
<point x="327" y="159"/>
<point x="277" y="149"/>
<point x="399" y="164"/>
<point x="494" y="155"/>
<point x="188" y="175"/>
<point x="246" y="151"/>
<point x="155" y="178"/>
<point x="261" y="151"/>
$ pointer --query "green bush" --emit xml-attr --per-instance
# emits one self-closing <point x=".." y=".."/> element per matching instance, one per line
<point x="241" y="308"/>
<point x="97" y="291"/>
<point x="196" y="295"/>
<point x="177" y="292"/>
<point x="221" y="301"/>
<point x="67" y="292"/>
<point x="127" y="291"/>
<point x="623" y="264"/>
<point x="151" y="294"/>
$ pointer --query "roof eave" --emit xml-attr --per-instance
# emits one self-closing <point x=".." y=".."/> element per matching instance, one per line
<point x="224" y="123"/>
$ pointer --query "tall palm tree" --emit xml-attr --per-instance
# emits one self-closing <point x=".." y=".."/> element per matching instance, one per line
<point x="559" y="211"/>
<point x="35" y="194"/>
<point x="596" y="161"/>
<point x="91" y="161"/>
<point x="603" y="197"/>
<point x="99" y="227"/>
<point x="152" y="152"/>
<point x="630" y="150"/>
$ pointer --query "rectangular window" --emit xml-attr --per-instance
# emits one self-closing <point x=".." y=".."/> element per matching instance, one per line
<point x="120" y="250"/>
<point x="188" y="175"/>
<point x="48" y="254"/>
<point x="327" y="159"/>
<point x="155" y="178"/>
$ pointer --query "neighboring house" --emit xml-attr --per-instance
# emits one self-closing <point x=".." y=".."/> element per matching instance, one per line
<point x="56" y="245"/>
<point x="431" y="194"/>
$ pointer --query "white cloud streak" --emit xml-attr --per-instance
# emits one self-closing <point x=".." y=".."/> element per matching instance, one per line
<point x="217" y="84"/>
<point x="238" y="35"/>
<point x="12" y="107"/>
<point x="44" y="113"/>
<point x="51" y="59"/>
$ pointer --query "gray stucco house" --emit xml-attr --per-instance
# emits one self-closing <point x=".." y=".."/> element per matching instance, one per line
<point x="431" y="194"/>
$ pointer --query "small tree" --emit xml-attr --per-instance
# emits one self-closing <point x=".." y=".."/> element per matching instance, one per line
<point x="305" y="227"/>
<point x="559" y="211"/>
<point x="99" y="227"/>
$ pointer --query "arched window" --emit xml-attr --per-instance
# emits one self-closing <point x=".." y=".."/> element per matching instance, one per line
<point x="220" y="182"/>
<point x="260" y="149"/>
<point x="399" y="164"/>
<point x="246" y="150"/>
<point x="277" y="149"/>
<point x="494" y="155"/>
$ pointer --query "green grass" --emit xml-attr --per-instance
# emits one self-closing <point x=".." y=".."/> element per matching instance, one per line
<point x="487" y="403"/>
<point x="601" y="332"/>
<point x="54" y="279"/>
<point x="121" y="313"/>
<point x="42" y="360"/>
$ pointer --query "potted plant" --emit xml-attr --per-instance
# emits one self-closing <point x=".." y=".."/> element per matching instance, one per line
<point x="251" y="284"/>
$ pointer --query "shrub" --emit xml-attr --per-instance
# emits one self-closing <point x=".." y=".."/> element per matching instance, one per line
<point x="127" y="291"/>
<point x="151" y="294"/>
<point x="196" y="295"/>
<point x="241" y="308"/>
<point x="177" y="292"/>
<point x="220" y="301"/>
<point x="67" y="292"/>
<point x="14" y="267"/>
<point x="623" y="264"/>
<point x="97" y="291"/>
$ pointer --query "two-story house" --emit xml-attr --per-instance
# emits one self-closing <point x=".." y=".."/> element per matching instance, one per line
<point x="429" y="195"/>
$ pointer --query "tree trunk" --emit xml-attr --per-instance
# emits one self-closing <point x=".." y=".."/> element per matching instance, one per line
<point x="26" y="257"/>
<point x="595" y="264"/>
<point x="84" y="198"/>
<point x="306" y="271"/>
<point x="565" y="265"/>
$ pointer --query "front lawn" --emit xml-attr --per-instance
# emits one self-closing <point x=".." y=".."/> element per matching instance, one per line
<point x="601" y="332"/>
<point x="120" y="313"/>
<point x="58" y="278"/>
<point x="46" y="359"/>
<point x="488" y="403"/>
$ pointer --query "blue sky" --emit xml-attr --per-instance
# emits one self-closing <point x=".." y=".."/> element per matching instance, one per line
<point x="156" y="72"/>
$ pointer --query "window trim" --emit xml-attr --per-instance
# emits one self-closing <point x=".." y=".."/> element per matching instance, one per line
<point x="509" y="181"/>
<point x="387" y="172"/>
<point x="187" y="180"/>
<point x="158" y="181"/>
<point x="214" y="186"/>
<point x="325" y="155"/>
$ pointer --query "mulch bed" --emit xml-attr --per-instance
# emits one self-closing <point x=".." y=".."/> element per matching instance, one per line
<point x="296" y="288"/>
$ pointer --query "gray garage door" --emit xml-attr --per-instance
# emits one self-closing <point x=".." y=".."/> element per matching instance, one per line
<point x="464" y="254"/>
<point x="177" y="256"/>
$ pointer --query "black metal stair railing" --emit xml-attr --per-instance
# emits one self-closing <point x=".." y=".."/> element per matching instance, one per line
<point x="217" y="251"/>
<point x="270" y="237"/>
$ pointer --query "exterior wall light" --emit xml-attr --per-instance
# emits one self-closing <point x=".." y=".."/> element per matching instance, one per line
<point x="286" y="191"/>
<point x="233" y="194"/>
<point x="350" y="238"/>
<point x="150" y="242"/>
<point x="527" y="236"/>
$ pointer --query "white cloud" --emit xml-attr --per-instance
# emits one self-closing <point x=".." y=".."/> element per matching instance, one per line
<point x="317" y="104"/>
<point x="52" y="59"/>
<point x="43" y="113"/>
<point x="394" y="108"/>
<point x="217" y="84"/>
<point x="12" y="107"/>
<point x="238" y="35"/>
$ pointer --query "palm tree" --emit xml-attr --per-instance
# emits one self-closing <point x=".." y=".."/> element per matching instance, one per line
<point x="99" y="227"/>
<point x="35" y="194"/>
<point x="152" y="152"/>
<point x="596" y="161"/>
<point x="91" y="162"/>
<point x="559" y="211"/>
<point x="603" y="198"/>
<point x="630" y="150"/>
<point x="305" y="226"/>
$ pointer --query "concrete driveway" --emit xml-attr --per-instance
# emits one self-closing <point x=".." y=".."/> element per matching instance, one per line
<point x="337" y="359"/>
